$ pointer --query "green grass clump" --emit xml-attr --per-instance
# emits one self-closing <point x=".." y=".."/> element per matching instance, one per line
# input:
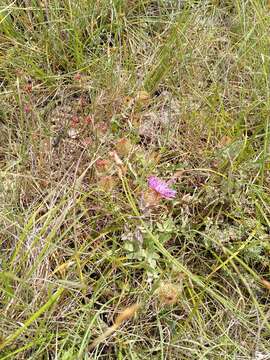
<point x="96" y="96"/>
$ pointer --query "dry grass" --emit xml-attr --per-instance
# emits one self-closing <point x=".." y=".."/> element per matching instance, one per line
<point x="96" y="97"/>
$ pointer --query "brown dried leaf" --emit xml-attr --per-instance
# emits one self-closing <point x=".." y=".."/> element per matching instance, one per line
<point x="266" y="283"/>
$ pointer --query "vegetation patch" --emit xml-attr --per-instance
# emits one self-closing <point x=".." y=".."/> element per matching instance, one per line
<point x="134" y="192"/>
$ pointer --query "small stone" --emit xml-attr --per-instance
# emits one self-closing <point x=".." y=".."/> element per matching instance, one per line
<point x="72" y="133"/>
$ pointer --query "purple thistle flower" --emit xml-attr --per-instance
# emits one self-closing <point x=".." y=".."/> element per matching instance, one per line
<point x="161" y="187"/>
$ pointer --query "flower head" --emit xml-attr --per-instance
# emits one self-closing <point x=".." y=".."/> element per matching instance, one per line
<point x="168" y="293"/>
<point x="161" y="187"/>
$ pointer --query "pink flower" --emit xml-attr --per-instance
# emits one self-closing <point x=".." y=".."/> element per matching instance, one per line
<point x="161" y="187"/>
<point x="27" y="109"/>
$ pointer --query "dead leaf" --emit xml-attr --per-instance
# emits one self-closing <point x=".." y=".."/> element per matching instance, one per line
<point x="125" y="315"/>
<point x="266" y="283"/>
